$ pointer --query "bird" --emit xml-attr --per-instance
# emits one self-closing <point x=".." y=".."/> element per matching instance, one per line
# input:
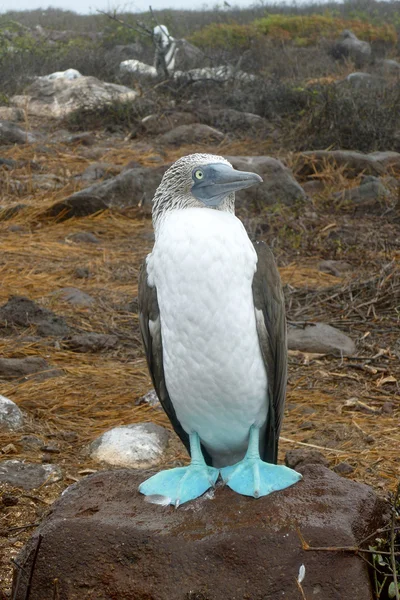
<point x="212" y="319"/>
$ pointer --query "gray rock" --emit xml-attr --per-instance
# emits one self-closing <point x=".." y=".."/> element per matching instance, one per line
<point x="343" y="468"/>
<point x="86" y="138"/>
<point x="31" y="442"/>
<point x="389" y="66"/>
<point x="10" y="415"/>
<point x="386" y="159"/>
<point x="59" y="97"/>
<point x="135" y="187"/>
<point x="8" y="113"/>
<point x="82" y="272"/>
<point x="9" y="163"/>
<point x="314" y="187"/>
<point x="75" y="296"/>
<point x="360" y="80"/>
<point x="83" y="237"/>
<point x="28" y="475"/>
<point x="137" y="446"/>
<point x="349" y="46"/>
<point x="161" y="123"/>
<point x="278" y="186"/>
<point x="30" y="367"/>
<point x="334" y="267"/>
<point x="98" y="170"/>
<point x="8" y="212"/>
<point x="371" y="193"/>
<point x="151" y="399"/>
<point x="105" y="539"/>
<point x="321" y="339"/>
<point x="196" y="133"/>
<point x="20" y="312"/>
<point x="10" y="133"/>
<point x="230" y="120"/>
<point x="91" y="342"/>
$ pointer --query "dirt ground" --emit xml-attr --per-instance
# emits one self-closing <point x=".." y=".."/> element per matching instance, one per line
<point x="347" y="408"/>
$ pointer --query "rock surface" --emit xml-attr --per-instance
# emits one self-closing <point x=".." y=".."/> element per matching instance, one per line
<point x="20" y="312"/>
<point x="369" y="195"/>
<point x="59" y="97"/>
<point x="138" y="446"/>
<point x="10" y="133"/>
<point x="31" y="367"/>
<point x="75" y="296"/>
<point x="10" y="415"/>
<point x="196" y="133"/>
<point x="321" y="339"/>
<point x="27" y="475"/>
<point x="91" y="342"/>
<point x="349" y="46"/>
<point x="222" y="545"/>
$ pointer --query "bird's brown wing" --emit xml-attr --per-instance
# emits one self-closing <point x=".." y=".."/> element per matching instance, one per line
<point x="269" y="305"/>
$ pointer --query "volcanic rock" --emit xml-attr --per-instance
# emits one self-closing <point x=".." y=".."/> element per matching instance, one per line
<point x="91" y="342"/>
<point x="321" y="339"/>
<point x="196" y="133"/>
<point x="21" y="312"/>
<point x="103" y="540"/>
<point x="32" y="367"/>
<point x="10" y="133"/>
<point x="10" y="415"/>
<point x="27" y="475"/>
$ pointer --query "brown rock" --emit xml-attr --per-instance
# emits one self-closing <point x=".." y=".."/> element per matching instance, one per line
<point x="91" y="342"/>
<point x="22" y="312"/>
<point x="301" y="457"/>
<point x="102" y="540"/>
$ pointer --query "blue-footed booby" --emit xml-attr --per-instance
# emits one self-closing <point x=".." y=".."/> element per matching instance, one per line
<point x="212" y="318"/>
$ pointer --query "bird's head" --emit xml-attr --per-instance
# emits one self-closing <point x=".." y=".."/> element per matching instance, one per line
<point x="202" y="181"/>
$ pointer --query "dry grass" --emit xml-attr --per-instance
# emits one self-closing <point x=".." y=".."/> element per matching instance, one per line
<point x="339" y="406"/>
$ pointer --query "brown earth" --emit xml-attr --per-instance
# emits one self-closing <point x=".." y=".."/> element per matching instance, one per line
<point x="348" y="408"/>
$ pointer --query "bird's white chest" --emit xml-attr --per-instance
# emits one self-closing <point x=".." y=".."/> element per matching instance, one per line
<point x="203" y="265"/>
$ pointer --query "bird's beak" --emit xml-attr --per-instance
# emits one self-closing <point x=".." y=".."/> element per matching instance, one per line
<point x="222" y="180"/>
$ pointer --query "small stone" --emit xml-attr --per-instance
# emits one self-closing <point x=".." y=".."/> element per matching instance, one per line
<point x="28" y="475"/>
<point x="151" y="399"/>
<point x="136" y="446"/>
<point x="68" y="436"/>
<point x="343" y="468"/>
<point x="30" y="367"/>
<point x="299" y="456"/>
<point x="369" y="439"/>
<point x="83" y="237"/>
<point x="22" y="312"/>
<point x="9" y="500"/>
<point x="51" y="449"/>
<point x="10" y="415"/>
<point x="132" y="306"/>
<point x="30" y="442"/>
<point x="75" y="296"/>
<point x="334" y="267"/>
<point x="320" y="338"/>
<point x="191" y="134"/>
<point x="91" y="342"/>
<point x="307" y="425"/>
<point x="387" y="408"/>
<point x="82" y="273"/>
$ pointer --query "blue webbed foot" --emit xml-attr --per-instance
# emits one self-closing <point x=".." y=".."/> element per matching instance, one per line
<point x="253" y="477"/>
<point x="180" y="485"/>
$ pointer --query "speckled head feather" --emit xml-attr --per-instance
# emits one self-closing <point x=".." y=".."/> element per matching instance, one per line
<point x="174" y="191"/>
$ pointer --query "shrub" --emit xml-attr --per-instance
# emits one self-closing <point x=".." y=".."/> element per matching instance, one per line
<point x="224" y="36"/>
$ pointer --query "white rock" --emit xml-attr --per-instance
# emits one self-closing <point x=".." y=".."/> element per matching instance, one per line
<point x="137" y="446"/>
<point x="10" y="415"/>
<point x="69" y="75"/>
<point x="135" y="66"/>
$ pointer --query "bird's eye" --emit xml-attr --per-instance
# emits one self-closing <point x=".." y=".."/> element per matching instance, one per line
<point x="199" y="174"/>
